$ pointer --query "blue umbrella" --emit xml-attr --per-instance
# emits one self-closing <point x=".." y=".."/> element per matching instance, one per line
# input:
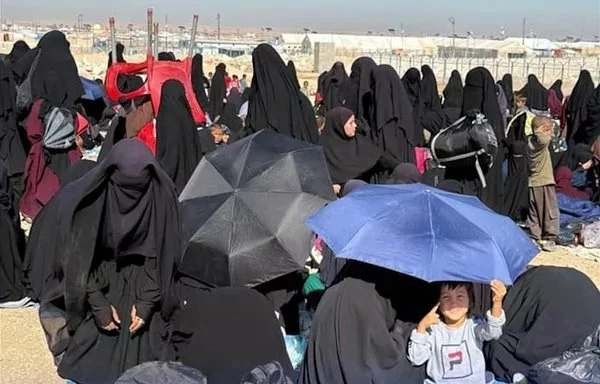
<point x="91" y="89"/>
<point x="424" y="232"/>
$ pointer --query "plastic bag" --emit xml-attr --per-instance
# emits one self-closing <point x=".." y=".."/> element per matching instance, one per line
<point x="295" y="346"/>
<point x="591" y="235"/>
<point x="573" y="367"/>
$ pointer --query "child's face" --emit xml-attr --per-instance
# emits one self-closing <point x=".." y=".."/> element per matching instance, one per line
<point x="217" y="135"/>
<point x="454" y="303"/>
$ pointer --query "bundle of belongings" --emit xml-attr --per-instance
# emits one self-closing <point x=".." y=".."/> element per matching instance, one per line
<point x="469" y="142"/>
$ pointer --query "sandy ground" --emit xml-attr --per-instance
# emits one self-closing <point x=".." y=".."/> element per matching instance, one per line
<point x="24" y="356"/>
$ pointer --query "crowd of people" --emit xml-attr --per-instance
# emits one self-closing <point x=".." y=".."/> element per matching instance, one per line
<point x="101" y="261"/>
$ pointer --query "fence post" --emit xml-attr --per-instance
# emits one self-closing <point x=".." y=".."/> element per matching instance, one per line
<point x="497" y="62"/>
<point x="543" y="73"/>
<point x="444" y="74"/>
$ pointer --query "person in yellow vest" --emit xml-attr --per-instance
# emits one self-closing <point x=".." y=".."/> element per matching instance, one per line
<point x="519" y="127"/>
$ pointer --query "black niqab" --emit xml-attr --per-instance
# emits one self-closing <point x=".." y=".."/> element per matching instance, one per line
<point x="19" y="49"/>
<point x="55" y="78"/>
<point x="332" y="84"/>
<point x="516" y="187"/>
<point x="230" y="117"/>
<point x="393" y="128"/>
<point x="453" y="93"/>
<point x="120" y="58"/>
<point x="347" y="157"/>
<point x="200" y="82"/>
<point x="166" y="56"/>
<point x="590" y="129"/>
<point x="293" y="73"/>
<point x="275" y="102"/>
<point x="218" y="92"/>
<point x="176" y="135"/>
<point x="507" y="86"/>
<point x="429" y="90"/>
<point x="576" y="109"/>
<point x="557" y="88"/>
<point x="412" y="84"/>
<point x="537" y="95"/>
<point x="356" y="93"/>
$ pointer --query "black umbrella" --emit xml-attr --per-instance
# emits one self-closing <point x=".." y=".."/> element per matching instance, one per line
<point x="244" y="209"/>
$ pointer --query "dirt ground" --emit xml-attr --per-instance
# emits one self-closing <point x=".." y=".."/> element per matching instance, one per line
<point x="24" y="356"/>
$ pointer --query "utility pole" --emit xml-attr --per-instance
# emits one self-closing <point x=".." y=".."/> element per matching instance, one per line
<point x="524" y="25"/>
<point x="219" y="26"/>
<point x="166" y="33"/>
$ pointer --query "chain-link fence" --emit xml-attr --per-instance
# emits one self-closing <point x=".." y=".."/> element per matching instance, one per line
<point x="546" y="69"/>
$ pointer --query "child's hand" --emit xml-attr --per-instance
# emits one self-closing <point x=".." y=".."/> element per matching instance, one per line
<point x="498" y="291"/>
<point x="430" y="319"/>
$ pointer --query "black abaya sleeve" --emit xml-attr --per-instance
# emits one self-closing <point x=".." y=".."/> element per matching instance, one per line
<point x="387" y="162"/>
<point x="99" y="304"/>
<point x="147" y="289"/>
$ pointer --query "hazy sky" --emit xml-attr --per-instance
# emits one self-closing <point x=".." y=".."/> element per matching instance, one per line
<point x="549" y="18"/>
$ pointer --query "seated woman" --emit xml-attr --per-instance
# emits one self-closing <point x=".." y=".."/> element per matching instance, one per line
<point x="115" y="256"/>
<point x="349" y="154"/>
<point x="362" y="326"/>
<point x="549" y="310"/>
<point x="225" y="332"/>
<point x="563" y="177"/>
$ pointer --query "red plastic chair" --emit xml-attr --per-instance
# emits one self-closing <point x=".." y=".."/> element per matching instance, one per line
<point x="157" y="72"/>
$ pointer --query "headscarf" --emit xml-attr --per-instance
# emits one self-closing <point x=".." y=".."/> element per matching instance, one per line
<point x="356" y="93"/>
<point x="576" y="107"/>
<point x="557" y="88"/>
<point x="412" y="84"/>
<point x="176" y="137"/>
<point x="230" y="116"/>
<point x="347" y="157"/>
<point x="507" y="86"/>
<point x="218" y="92"/>
<point x="406" y="173"/>
<point x="166" y="56"/>
<point x="120" y="58"/>
<point x="293" y="73"/>
<point x="199" y="82"/>
<point x="503" y="104"/>
<point x="537" y="95"/>
<point x="582" y="153"/>
<point x="351" y="185"/>
<point x="19" y="49"/>
<point x="592" y="122"/>
<point x="453" y="93"/>
<point x="56" y="79"/>
<point x="129" y="194"/>
<point x="331" y="86"/>
<point x="555" y="105"/>
<point x="393" y="113"/>
<point x="563" y="177"/>
<point x="429" y="90"/>
<point x="275" y="102"/>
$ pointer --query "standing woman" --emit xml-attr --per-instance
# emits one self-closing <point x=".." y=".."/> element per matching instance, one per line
<point x="200" y="82"/>
<point x="218" y="92"/>
<point x="429" y="90"/>
<point x="116" y="249"/>
<point x="356" y="93"/>
<point x="576" y="107"/>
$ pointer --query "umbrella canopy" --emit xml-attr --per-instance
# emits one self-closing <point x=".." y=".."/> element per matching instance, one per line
<point x="244" y="209"/>
<point x="91" y="89"/>
<point x="426" y="233"/>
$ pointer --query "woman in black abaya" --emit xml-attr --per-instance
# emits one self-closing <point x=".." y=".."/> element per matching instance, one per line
<point x="435" y="121"/>
<point x="356" y="93"/>
<point x="19" y="49"/>
<point x="516" y="187"/>
<point x="507" y="86"/>
<point x="200" y="82"/>
<point x="275" y="102"/>
<point x="393" y="128"/>
<point x="453" y="93"/>
<point x="230" y="117"/>
<point x="429" y="90"/>
<point x="349" y="154"/>
<point x="537" y="95"/>
<point x="590" y="128"/>
<point x="177" y="146"/>
<point x="117" y="243"/>
<point x="218" y="92"/>
<point x="361" y="329"/>
<point x="576" y="108"/>
<point x="480" y="94"/>
<point x="332" y="83"/>
<point x="412" y="84"/>
<point x="557" y="88"/>
<point x="293" y="73"/>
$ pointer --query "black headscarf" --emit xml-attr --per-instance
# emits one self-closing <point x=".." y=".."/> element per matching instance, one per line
<point x="537" y="95"/>
<point x="176" y="136"/>
<point x="130" y="194"/>
<point x="516" y="187"/>
<point x="393" y="128"/>
<point x="332" y="84"/>
<point x="429" y="90"/>
<point x="120" y="58"/>
<point x="412" y="84"/>
<point x="230" y="116"/>
<point x="275" y="102"/>
<point x="576" y="109"/>
<point x="218" y="92"/>
<point x="166" y="56"/>
<point x="19" y="49"/>
<point x="293" y="73"/>
<point x="480" y="94"/>
<point x="347" y="157"/>
<point x="56" y="79"/>
<point x="453" y="93"/>
<point x="590" y="129"/>
<point x="199" y="82"/>
<point x="507" y="86"/>
<point x="356" y="93"/>
<point x="557" y="88"/>
<point x="406" y="173"/>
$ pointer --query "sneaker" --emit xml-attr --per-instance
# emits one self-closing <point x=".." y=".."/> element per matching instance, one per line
<point x="549" y="246"/>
